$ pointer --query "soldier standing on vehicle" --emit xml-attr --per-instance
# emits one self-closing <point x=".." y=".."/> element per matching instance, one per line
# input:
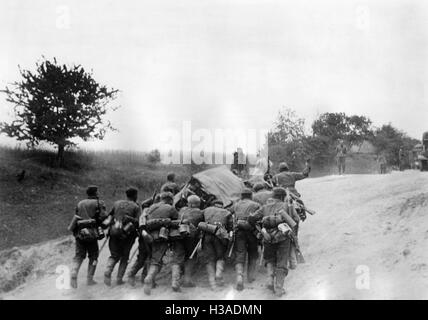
<point x="261" y="194"/>
<point x="246" y="242"/>
<point x="183" y="247"/>
<point x="85" y="227"/>
<point x="123" y="231"/>
<point x="341" y="157"/>
<point x="287" y="179"/>
<point x="170" y="185"/>
<point x="159" y="217"/>
<point x="219" y="224"/>
<point x="276" y="228"/>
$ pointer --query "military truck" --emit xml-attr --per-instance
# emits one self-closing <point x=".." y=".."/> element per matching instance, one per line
<point x="423" y="156"/>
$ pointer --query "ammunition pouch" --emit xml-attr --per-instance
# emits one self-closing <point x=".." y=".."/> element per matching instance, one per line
<point x="87" y="223"/>
<point x="175" y="224"/>
<point x="87" y="234"/>
<point x="163" y="233"/>
<point x="107" y="222"/>
<point x="146" y="236"/>
<point x="244" y="225"/>
<point x="129" y="228"/>
<point x="270" y="222"/>
<point x="207" y="227"/>
<point x="157" y="224"/>
<point x="284" y="228"/>
<point x="222" y="233"/>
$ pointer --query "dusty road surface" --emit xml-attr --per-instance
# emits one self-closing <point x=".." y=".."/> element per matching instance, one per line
<point x="368" y="240"/>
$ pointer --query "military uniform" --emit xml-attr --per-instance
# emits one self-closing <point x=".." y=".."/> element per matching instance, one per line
<point x="124" y="212"/>
<point x="341" y="157"/>
<point x="276" y="250"/>
<point x="262" y="196"/>
<point x="91" y="208"/>
<point x="286" y="179"/>
<point x="183" y="248"/>
<point x="214" y="246"/>
<point x="161" y="210"/>
<point x="245" y="240"/>
<point x="170" y="186"/>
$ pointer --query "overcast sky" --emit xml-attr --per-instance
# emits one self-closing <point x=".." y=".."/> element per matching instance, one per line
<point x="226" y="64"/>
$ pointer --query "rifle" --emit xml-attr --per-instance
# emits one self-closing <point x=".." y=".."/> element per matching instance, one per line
<point x="104" y="243"/>
<point x="299" y="204"/>
<point x="198" y="245"/>
<point x="299" y="255"/>
<point x="261" y="255"/>
<point x="133" y="254"/>
<point x="232" y="244"/>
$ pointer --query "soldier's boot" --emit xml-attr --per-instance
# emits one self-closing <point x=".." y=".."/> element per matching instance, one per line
<point x="175" y="275"/>
<point x="133" y="272"/>
<point x="150" y="278"/>
<point x="271" y="276"/>
<point x="74" y="272"/>
<point x="109" y="270"/>
<point x="145" y="271"/>
<point x="279" y="282"/>
<point x="188" y="273"/>
<point x="211" y="275"/>
<point x="239" y="268"/>
<point x="251" y="270"/>
<point x="121" y="271"/>
<point x="92" y="266"/>
<point x="219" y="272"/>
<point x="293" y="258"/>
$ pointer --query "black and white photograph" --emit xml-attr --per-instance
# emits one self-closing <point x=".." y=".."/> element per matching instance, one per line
<point x="213" y="150"/>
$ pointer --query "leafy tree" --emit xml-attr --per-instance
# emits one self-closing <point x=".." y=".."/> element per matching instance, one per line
<point x="154" y="156"/>
<point x="388" y="140"/>
<point x="57" y="103"/>
<point x="354" y="129"/>
<point x="287" y="127"/>
<point x="359" y="129"/>
<point x="286" y="139"/>
<point x="332" y="125"/>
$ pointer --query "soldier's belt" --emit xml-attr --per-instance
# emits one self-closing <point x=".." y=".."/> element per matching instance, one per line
<point x="243" y="225"/>
<point x="156" y="224"/>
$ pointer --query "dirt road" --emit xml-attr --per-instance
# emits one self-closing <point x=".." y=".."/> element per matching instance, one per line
<point x="368" y="240"/>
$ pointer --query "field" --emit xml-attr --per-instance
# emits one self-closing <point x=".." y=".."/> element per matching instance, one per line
<point x="40" y="207"/>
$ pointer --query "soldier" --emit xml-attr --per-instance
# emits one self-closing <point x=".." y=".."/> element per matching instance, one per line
<point x="144" y="251"/>
<point x="170" y="185"/>
<point x="261" y="195"/>
<point x="159" y="217"/>
<point x="287" y="179"/>
<point x="183" y="248"/>
<point x="382" y="163"/>
<point x="341" y="157"/>
<point x="245" y="239"/>
<point x="401" y="157"/>
<point x="276" y="240"/>
<point x="89" y="214"/>
<point x="123" y="231"/>
<point x="216" y="238"/>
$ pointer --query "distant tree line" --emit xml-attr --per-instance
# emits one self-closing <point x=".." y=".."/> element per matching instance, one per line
<point x="289" y="142"/>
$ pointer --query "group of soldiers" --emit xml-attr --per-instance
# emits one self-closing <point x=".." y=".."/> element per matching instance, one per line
<point x="211" y="232"/>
